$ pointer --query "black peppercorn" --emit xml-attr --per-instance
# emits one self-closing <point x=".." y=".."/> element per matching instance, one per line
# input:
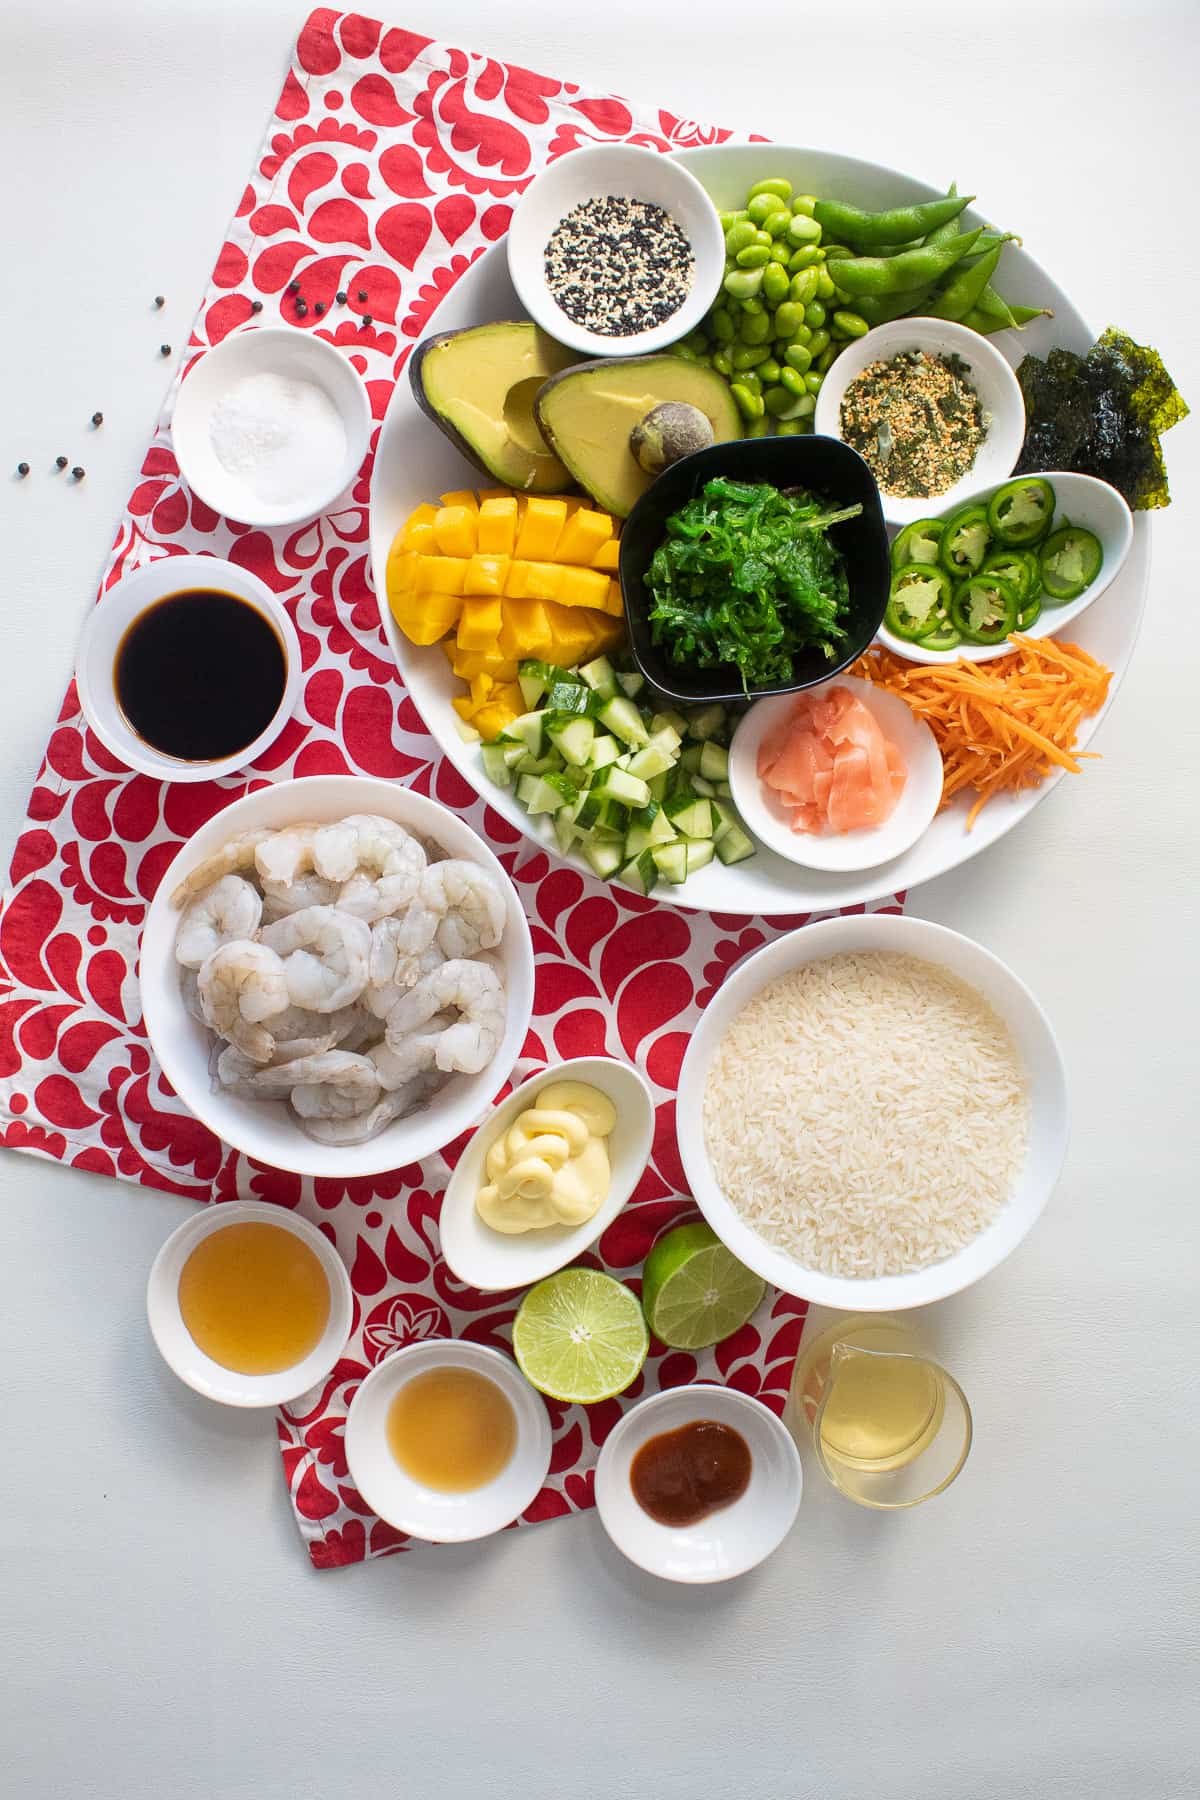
<point x="164" y="349"/>
<point x="159" y="302"/>
<point x="366" y="318"/>
<point x="341" y="296"/>
<point x="97" y="418"/>
<point x="256" y="306"/>
<point x="319" y="308"/>
<point x="78" y="472"/>
<point x="22" y="469"/>
<point x="301" y="310"/>
<point x="60" y="462"/>
<point x="293" y="287"/>
<point x="362" y="294"/>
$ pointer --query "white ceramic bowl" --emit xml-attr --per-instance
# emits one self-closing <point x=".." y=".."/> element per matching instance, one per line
<point x="264" y="1129"/>
<point x="422" y="1511"/>
<point x="766" y="816"/>
<point x="729" y="1541"/>
<point x="294" y="355"/>
<point x="179" y="1348"/>
<point x="111" y="618"/>
<point x="1036" y="1045"/>
<point x="640" y="175"/>
<point x="990" y="375"/>
<point x="493" y="1262"/>
<point x="1084" y="501"/>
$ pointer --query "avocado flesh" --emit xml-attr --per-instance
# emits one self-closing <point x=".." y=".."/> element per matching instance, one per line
<point x="479" y="386"/>
<point x="587" y="414"/>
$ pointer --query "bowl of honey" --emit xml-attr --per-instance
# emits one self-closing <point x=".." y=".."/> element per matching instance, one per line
<point x="249" y="1304"/>
<point x="447" y="1441"/>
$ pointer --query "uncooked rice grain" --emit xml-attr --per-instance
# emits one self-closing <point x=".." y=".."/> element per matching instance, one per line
<point x="867" y="1114"/>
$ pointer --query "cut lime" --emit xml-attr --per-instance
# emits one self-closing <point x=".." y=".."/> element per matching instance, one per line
<point x="580" y="1335"/>
<point x="694" y="1291"/>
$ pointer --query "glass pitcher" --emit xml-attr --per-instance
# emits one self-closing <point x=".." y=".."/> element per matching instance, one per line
<point x="890" y="1427"/>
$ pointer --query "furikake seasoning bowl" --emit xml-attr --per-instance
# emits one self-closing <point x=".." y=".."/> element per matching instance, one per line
<point x="822" y="465"/>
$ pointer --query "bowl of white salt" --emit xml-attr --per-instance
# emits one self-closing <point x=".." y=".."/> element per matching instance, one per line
<point x="271" y="426"/>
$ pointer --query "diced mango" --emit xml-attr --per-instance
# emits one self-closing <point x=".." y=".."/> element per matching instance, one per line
<point x="583" y="535"/>
<point x="424" y="618"/>
<point x="541" y="527"/>
<point x="614" y="603"/>
<point x="454" y="530"/>
<point x="491" y="719"/>
<point x="582" y="587"/>
<point x="542" y="581"/>
<point x="498" y="526"/>
<point x="418" y="529"/>
<point x="440" y="574"/>
<point x="481" y="689"/>
<point x="508" y="693"/>
<point x="479" y="624"/>
<point x="485" y="575"/>
<point x="401" y="566"/>
<point x="461" y="497"/>
<point x="525" y="630"/>
<point x="571" y="636"/>
<point x="469" y="663"/>
<point x="464" y="706"/>
<point x="608" y="555"/>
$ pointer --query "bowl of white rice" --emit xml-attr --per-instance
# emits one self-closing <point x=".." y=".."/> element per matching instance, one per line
<point x="872" y="1112"/>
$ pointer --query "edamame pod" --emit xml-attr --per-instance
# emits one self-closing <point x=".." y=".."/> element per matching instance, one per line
<point x="879" y="276"/>
<point x="964" y="288"/>
<point x="897" y="225"/>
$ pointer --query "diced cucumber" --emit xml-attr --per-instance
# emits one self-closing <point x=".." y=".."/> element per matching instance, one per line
<point x="699" y="852"/>
<point x="690" y="816"/>
<point x="647" y="828"/>
<point x="640" y="873"/>
<point x="612" y="821"/>
<point x="526" y="728"/>
<point x="700" y="786"/>
<point x="568" y="697"/>
<point x="631" y="683"/>
<point x="659" y="785"/>
<point x="690" y="758"/>
<point x="724" y="820"/>
<point x="734" y="846"/>
<point x="600" y="676"/>
<point x="546" y="793"/>
<point x="714" y="762"/>
<point x="706" y="721"/>
<point x="651" y="761"/>
<point x="671" y="861"/>
<point x="513" y="753"/>
<point x="668" y="739"/>
<point x="724" y="791"/>
<point x="537" y="765"/>
<point x="619" y="784"/>
<point x="574" y="741"/>
<point x="669" y="720"/>
<point x="624" y="721"/>
<point x="495" y="764"/>
<point x="605" y="750"/>
<point x="532" y="687"/>
<point x="604" y="857"/>
<point x="566" y="833"/>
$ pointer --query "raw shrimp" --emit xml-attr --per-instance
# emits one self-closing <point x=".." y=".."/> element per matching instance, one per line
<point x="383" y="864"/>
<point x="230" y="908"/>
<point x="395" y="1069"/>
<point x="287" y="854"/>
<point x="392" y="971"/>
<point x="237" y="854"/>
<point x="283" y="897"/>
<point x="473" y="991"/>
<point x="189" y="987"/>
<point x="241" y="984"/>
<point x="336" y="974"/>
<point x="362" y="1126"/>
<point x="468" y="905"/>
<point x="336" y="1086"/>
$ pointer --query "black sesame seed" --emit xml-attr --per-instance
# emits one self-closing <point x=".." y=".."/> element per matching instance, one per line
<point x="341" y="296"/>
<point x="78" y="472"/>
<point x="60" y="462"/>
<point x="319" y="308"/>
<point x="164" y="349"/>
<point x="362" y="294"/>
<point x="22" y="469"/>
<point x="618" y="266"/>
<point x="256" y="306"/>
<point x="97" y="418"/>
<point x="159" y="302"/>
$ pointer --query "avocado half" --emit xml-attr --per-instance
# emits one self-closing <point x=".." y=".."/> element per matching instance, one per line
<point x="586" y="415"/>
<point x="479" y="386"/>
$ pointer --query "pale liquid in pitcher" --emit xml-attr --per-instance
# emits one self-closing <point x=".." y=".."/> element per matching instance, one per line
<point x="883" y="1412"/>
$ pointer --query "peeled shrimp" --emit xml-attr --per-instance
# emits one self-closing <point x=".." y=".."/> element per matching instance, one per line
<point x="473" y="991"/>
<point x="396" y="1068"/>
<point x="241" y="984"/>
<point x="336" y="974"/>
<point x="286" y="854"/>
<point x="468" y="906"/>
<point x="237" y="854"/>
<point x="189" y="988"/>
<point x="392" y="971"/>
<point x="382" y="863"/>
<point x="336" y="1086"/>
<point x="231" y="908"/>
<point x="283" y="897"/>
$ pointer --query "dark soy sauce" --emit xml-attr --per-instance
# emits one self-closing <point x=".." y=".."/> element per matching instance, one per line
<point x="200" y="674"/>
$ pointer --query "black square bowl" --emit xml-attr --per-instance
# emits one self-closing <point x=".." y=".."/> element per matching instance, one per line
<point x="823" y="465"/>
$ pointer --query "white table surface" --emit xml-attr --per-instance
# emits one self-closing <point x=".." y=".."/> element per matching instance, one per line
<point x="1033" y="1633"/>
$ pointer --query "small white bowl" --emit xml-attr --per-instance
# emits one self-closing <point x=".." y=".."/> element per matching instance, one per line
<point x="729" y="1541"/>
<point x="1083" y="500"/>
<point x="765" y="815"/>
<point x="179" y="1348"/>
<point x="279" y="350"/>
<point x="491" y="1261"/>
<point x="639" y="175"/>
<point x="264" y="1129"/>
<point x="422" y="1511"/>
<point x="110" y="619"/>
<point x="1048" y="1120"/>
<point x="989" y="374"/>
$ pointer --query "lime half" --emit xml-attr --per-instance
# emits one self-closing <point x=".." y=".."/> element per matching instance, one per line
<point x="694" y="1291"/>
<point x="580" y="1335"/>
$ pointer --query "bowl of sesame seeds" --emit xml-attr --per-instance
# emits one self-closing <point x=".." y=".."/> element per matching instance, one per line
<point x="616" y="251"/>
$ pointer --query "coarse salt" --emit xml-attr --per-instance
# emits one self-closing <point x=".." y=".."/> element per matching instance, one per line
<point x="279" y="435"/>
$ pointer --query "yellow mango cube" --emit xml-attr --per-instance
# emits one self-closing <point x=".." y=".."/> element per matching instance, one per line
<point x="461" y="497"/>
<point x="541" y="527"/>
<point x="440" y="574"/>
<point x="401" y="566"/>
<point x="424" y="618"/>
<point x="614" y="603"/>
<point x="454" y="530"/>
<point x="481" y="689"/>
<point x="582" y="587"/>
<point x="508" y="693"/>
<point x="608" y="555"/>
<point x="583" y="535"/>
<point x="525" y="630"/>
<point x="464" y="706"/>
<point x="498" y="525"/>
<point x="479" y="624"/>
<point x="571" y="636"/>
<point x="417" y="531"/>
<point x="491" y="719"/>
<point x="486" y="575"/>
<point x="542" y="580"/>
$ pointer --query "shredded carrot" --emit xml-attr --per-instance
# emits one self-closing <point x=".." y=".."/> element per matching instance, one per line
<point x="1001" y="725"/>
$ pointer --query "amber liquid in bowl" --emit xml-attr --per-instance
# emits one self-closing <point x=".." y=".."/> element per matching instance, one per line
<point x="254" y="1298"/>
<point x="451" y="1429"/>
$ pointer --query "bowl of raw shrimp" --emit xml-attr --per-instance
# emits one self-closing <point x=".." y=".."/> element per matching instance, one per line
<point x="337" y="976"/>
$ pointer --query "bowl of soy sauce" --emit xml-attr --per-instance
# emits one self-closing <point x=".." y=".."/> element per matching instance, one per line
<point x="188" y="669"/>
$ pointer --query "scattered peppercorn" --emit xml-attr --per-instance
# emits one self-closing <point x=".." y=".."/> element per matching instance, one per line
<point x="22" y="470"/>
<point x="366" y="318"/>
<point x="78" y="472"/>
<point x="60" y="462"/>
<point x="97" y="418"/>
<point x="301" y="310"/>
<point x="341" y="296"/>
<point x="319" y="308"/>
<point x="256" y="306"/>
<point x="164" y="349"/>
<point x="293" y="287"/>
<point x="159" y="302"/>
<point x="362" y="294"/>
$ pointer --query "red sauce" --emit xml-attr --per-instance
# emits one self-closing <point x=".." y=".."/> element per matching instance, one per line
<point x="681" y="1476"/>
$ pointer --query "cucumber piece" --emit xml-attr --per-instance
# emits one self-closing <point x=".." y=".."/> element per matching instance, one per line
<point x="671" y="861"/>
<point x="604" y="858"/>
<point x="619" y="784"/>
<point x="690" y="816"/>
<point x="605" y="750"/>
<point x="527" y="728"/>
<point x="700" y="786"/>
<point x="669" y="720"/>
<point x="631" y="683"/>
<point x="640" y="873"/>
<point x="647" y="828"/>
<point x="699" y="852"/>
<point x="537" y="765"/>
<point x="612" y="820"/>
<point x="600" y="676"/>
<point x="513" y="753"/>
<point x="496" y="765"/>
<point x="690" y="758"/>
<point x="724" y="791"/>
<point x="658" y="785"/>
<point x="706" y="721"/>
<point x="546" y="793"/>
<point x="734" y="846"/>
<point x="714" y="762"/>
<point x="724" y="820"/>
<point x="624" y="721"/>
<point x="651" y="761"/>
<point x="574" y="741"/>
<point x="668" y="739"/>
<point x="566" y="833"/>
<point x="567" y="697"/>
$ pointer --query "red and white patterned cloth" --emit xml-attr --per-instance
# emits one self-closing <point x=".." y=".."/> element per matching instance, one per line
<point x="390" y="164"/>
